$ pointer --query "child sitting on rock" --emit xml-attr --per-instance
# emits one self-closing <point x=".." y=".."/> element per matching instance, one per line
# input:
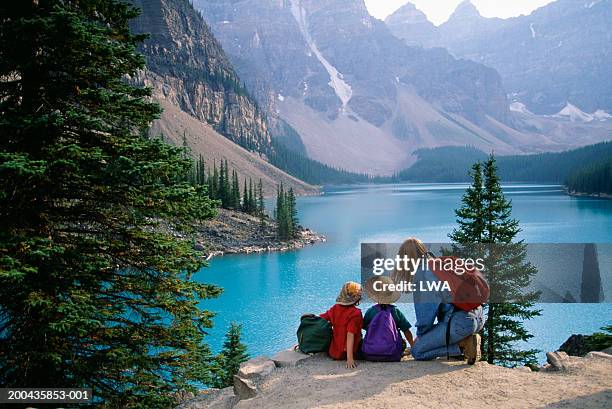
<point x="383" y="323"/>
<point x="346" y="321"/>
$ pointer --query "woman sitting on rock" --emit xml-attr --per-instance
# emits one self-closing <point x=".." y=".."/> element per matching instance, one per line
<point x="442" y="329"/>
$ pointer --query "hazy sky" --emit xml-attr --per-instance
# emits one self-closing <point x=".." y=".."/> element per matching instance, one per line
<point x="438" y="11"/>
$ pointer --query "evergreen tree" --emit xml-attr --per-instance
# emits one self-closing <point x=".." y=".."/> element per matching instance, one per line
<point x="211" y="181"/>
<point x="245" y="198"/>
<point x="94" y="292"/>
<point x="280" y="213"/>
<point x="201" y="171"/>
<point x="286" y="214"/>
<point x="222" y="185"/>
<point x="252" y="204"/>
<point x="261" y="207"/>
<point x="485" y="217"/>
<point x="292" y="215"/>
<point x="235" y="192"/>
<point x="233" y="354"/>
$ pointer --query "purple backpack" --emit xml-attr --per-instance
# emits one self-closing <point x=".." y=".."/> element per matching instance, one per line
<point x="383" y="341"/>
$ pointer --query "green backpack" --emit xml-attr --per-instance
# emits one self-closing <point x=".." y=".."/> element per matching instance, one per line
<point x="314" y="334"/>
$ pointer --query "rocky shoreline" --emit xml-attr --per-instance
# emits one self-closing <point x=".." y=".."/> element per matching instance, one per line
<point x="596" y="195"/>
<point x="233" y="232"/>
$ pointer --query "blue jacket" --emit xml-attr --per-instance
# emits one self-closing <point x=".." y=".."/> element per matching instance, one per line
<point x="430" y="305"/>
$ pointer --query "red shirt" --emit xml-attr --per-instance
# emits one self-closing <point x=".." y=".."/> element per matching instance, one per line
<point x="344" y="319"/>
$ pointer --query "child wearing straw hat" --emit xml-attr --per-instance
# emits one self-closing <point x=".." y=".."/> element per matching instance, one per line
<point x="378" y="290"/>
<point x="346" y="321"/>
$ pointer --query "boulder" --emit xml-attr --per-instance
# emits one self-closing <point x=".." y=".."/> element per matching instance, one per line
<point x="256" y="368"/>
<point x="523" y="368"/>
<point x="199" y="247"/>
<point x="607" y="351"/>
<point x="211" y="399"/>
<point x="599" y="355"/>
<point x="575" y="345"/>
<point x="244" y="388"/>
<point x="558" y="360"/>
<point x="289" y="357"/>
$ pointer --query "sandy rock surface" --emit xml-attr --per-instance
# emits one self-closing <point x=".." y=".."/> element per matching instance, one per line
<point x="322" y="383"/>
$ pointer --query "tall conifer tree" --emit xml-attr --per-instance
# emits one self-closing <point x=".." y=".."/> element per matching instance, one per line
<point x="94" y="292"/>
<point x="486" y="217"/>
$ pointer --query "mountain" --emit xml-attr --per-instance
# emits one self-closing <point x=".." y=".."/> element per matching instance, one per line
<point x="558" y="54"/>
<point x="187" y="66"/>
<point x="412" y="25"/>
<point x="358" y="97"/>
<point x="205" y="104"/>
<point x="178" y="127"/>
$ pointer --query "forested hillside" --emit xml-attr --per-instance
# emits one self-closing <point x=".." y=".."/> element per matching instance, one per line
<point x="592" y="179"/>
<point x="450" y="164"/>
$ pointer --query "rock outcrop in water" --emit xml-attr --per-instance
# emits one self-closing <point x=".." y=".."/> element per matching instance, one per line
<point x="232" y="232"/>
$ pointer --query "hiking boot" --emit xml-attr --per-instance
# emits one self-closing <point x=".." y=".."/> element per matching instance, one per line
<point x="470" y="347"/>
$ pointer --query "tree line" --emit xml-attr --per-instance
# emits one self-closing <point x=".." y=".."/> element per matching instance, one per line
<point x="224" y="187"/>
<point x="449" y="164"/>
<point x="593" y="179"/>
<point x="286" y="214"/>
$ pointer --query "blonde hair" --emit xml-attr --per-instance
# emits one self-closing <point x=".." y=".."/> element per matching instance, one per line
<point x="414" y="249"/>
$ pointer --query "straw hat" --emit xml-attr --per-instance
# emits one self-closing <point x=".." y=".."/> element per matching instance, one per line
<point x="383" y="295"/>
<point x="349" y="294"/>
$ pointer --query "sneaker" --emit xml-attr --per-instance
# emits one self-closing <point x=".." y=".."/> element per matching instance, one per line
<point x="470" y="347"/>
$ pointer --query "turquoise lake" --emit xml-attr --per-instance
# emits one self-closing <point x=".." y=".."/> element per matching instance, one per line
<point x="268" y="293"/>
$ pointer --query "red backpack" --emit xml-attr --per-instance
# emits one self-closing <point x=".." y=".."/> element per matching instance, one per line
<point x="469" y="290"/>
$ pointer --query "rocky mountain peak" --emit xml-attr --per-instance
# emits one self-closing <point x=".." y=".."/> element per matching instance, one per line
<point x="411" y="24"/>
<point x="407" y="14"/>
<point x="465" y="10"/>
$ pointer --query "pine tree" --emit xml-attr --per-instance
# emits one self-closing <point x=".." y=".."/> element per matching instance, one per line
<point x="280" y="213"/>
<point x="94" y="292"/>
<point x="235" y="192"/>
<point x="252" y="204"/>
<point x="233" y="354"/>
<point x="201" y="171"/>
<point x="261" y="207"/>
<point x="486" y="217"/>
<point x="292" y="215"/>
<point x="245" y="198"/>
<point x="222" y="194"/>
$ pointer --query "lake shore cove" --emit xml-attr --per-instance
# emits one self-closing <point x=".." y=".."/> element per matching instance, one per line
<point x="291" y="379"/>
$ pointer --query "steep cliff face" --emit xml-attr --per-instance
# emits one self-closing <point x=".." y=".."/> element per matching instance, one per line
<point x="187" y="66"/>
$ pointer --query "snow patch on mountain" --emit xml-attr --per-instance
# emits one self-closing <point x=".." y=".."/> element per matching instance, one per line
<point x="340" y="87"/>
<point x="517" y="106"/>
<point x="533" y="32"/>
<point x="574" y="114"/>
<point x="601" y="115"/>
